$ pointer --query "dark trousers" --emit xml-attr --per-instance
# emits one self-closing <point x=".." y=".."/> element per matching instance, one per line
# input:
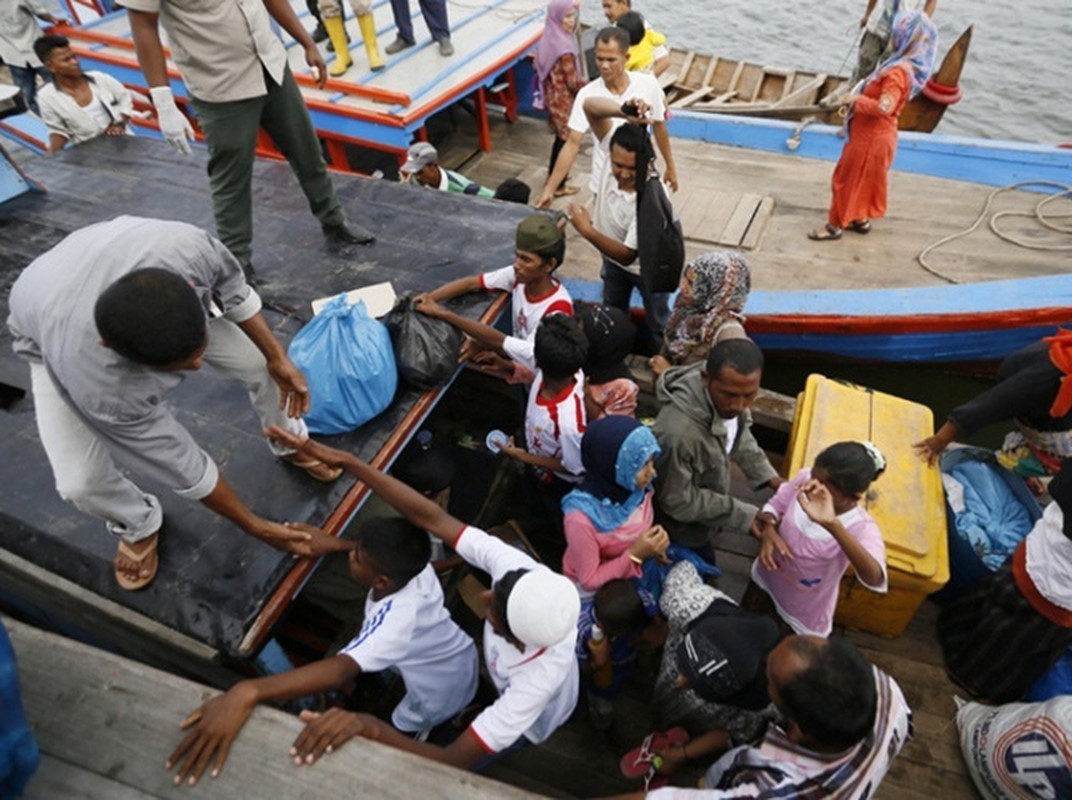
<point x="618" y="285"/>
<point x="231" y="132"/>
<point x="26" y="79"/>
<point x="556" y="148"/>
<point x="435" y="17"/>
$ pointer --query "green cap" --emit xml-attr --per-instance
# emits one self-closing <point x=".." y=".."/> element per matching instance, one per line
<point x="536" y="232"/>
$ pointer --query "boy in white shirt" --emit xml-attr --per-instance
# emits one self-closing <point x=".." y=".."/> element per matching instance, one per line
<point x="406" y="628"/>
<point x="534" y="289"/>
<point x="531" y="620"/>
<point x="555" y="415"/>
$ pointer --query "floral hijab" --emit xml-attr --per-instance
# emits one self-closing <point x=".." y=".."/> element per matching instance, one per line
<point x="913" y="45"/>
<point x="720" y="286"/>
<point x="613" y="450"/>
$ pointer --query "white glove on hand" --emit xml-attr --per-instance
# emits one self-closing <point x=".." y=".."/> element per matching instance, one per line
<point x="173" y="123"/>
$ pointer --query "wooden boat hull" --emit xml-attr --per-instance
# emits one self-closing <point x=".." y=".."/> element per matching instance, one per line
<point x="947" y="324"/>
<point x="957" y="325"/>
<point x="710" y="84"/>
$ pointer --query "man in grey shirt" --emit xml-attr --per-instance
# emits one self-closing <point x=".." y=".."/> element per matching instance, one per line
<point x="236" y="71"/>
<point x="110" y="319"/>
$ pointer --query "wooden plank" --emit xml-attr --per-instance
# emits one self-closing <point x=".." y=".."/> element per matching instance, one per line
<point x="119" y="719"/>
<point x="691" y="97"/>
<point x="740" y="220"/>
<point x="752" y="237"/>
<point x="683" y="73"/>
<point x="800" y="96"/>
<point x="58" y="779"/>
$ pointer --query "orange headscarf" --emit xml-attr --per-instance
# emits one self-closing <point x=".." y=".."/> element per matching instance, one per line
<point x="1061" y="357"/>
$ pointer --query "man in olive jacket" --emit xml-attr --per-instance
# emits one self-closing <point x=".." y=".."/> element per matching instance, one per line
<point x="703" y="424"/>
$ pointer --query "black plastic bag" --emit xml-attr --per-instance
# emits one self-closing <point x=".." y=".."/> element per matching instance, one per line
<point x="426" y="349"/>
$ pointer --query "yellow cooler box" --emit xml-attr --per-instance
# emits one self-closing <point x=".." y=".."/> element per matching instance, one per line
<point x="906" y="500"/>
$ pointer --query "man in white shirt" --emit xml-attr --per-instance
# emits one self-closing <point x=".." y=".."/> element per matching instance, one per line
<point x="612" y="228"/>
<point x="529" y="636"/>
<point x="614" y="83"/>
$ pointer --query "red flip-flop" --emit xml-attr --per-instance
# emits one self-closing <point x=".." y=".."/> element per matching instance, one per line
<point x="641" y="760"/>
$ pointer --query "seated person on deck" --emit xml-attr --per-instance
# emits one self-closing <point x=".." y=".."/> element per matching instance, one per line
<point x="844" y="721"/>
<point x="78" y="106"/>
<point x="422" y="166"/>
<point x="529" y="637"/>
<point x="1034" y="392"/>
<point x="407" y="628"/>
<point x="535" y="292"/>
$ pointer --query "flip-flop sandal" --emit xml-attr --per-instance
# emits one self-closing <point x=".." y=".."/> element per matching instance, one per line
<point x="315" y="468"/>
<point x="134" y="584"/>
<point x="641" y="760"/>
<point x="860" y="226"/>
<point x="827" y="233"/>
<point x="566" y="191"/>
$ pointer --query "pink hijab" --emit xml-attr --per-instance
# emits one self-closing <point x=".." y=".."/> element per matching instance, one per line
<point x="556" y="41"/>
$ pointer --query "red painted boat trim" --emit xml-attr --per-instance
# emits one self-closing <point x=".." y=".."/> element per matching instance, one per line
<point x="909" y="323"/>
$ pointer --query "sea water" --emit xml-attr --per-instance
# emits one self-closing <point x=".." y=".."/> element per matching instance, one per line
<point x="1017" y="81"/>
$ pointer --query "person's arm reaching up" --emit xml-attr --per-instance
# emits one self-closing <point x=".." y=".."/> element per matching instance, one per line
<point x="411" y="504"/>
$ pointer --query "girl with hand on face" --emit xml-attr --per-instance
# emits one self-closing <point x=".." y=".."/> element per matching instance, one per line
<point x="813" y="529"/>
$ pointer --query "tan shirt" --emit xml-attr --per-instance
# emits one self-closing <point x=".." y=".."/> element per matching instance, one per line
<point x="219" y="46"/>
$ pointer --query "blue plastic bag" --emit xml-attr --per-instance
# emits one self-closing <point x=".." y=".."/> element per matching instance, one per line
<point x="349" y="363"/>
<point x="19" y="755"/>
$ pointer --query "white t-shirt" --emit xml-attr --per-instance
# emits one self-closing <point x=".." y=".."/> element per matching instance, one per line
<point x="537" y="687"/>
<point x="411" y="631"/>
<point x="731" y="426"/>
<point x="615" y="212"/>
<point x="554" y="427"/>
<point x="528" y="311"/>
<point x="641" y="86"/>
<point x="1049" y="558"/>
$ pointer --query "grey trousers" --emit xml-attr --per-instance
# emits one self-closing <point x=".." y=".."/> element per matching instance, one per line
<point x="87" y="476"/>
<point x="231" y="132"/>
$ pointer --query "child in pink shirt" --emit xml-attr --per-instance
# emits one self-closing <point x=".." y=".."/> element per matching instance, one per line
<point x="608" y="519"/>
<point x="813" y="529"/>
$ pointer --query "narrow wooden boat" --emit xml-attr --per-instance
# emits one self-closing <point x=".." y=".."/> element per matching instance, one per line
<point x="964" y="323"/>
<point x="715" y="85"/>
<point x="961" y="324"/>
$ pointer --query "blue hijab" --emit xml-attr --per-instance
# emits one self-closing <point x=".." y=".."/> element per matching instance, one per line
<point x="613" y="450"/>
<point x="913" y="45"/>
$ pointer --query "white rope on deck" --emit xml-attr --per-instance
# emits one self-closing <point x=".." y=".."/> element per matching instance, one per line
<point x="1038" y="215"/>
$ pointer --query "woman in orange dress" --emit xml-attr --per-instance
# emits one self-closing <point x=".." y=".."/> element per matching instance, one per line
<point x="861" y="177"/>
<point x="559" y="76"/>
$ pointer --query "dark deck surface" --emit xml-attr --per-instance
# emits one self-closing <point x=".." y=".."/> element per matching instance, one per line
<point x="213" y="580"/>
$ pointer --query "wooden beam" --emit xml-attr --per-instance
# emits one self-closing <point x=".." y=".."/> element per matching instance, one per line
<point x="106" y="621"/>
<point x="119" y="720"/>
<point x="752" y="236"/>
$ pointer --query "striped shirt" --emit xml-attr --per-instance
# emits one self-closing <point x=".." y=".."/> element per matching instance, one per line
<point x="780" y="768"/>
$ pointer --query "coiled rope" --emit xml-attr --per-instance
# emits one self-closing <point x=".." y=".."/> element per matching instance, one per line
<point x="1047" y="221"/>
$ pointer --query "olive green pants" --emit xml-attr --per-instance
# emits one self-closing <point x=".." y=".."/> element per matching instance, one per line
<point x="231" y="132"/>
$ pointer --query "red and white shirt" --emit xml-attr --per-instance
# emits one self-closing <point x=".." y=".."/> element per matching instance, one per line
<point x="554" y="426"/>
<point x="528" y="310"/>
<point x="537" y="687"/>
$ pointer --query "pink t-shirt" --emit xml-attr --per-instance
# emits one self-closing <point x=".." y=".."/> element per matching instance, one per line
<point x="593" y="557"/>
<point x="805" y="589"/>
